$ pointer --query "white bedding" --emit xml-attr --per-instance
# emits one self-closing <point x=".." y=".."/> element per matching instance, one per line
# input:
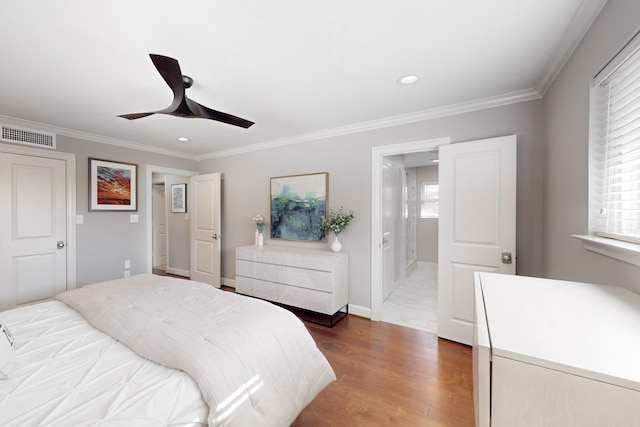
<point x="70" y="374"/>
<point x="255" y="363"/>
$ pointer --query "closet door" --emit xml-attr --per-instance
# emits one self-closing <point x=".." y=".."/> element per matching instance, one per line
<point x="33" y="254"/>
<point x="204" y="197"/>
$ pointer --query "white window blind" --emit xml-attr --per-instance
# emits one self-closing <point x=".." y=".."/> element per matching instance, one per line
<point x="615" y="148"/>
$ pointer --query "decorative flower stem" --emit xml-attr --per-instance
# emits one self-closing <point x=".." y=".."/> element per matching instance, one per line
<point x="337" y="221"/>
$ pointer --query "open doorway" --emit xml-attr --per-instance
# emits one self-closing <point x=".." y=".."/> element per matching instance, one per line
<point x="176" y="258"/>
<point x="387" y="202"/>
<point x="410" y="204"/>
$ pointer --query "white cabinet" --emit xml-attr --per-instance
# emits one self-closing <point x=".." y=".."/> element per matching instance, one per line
<point x="315" y="280"/>
<point x="555" y="353"/>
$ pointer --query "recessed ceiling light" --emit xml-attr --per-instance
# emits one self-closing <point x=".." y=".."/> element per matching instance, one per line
<point x="183" y="139"/>
<point x="407" y="80"/>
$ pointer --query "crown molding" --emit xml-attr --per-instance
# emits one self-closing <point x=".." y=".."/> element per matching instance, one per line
<point x="418" y="116"/>
<point x="85" y="136"/>
<point x="582" y="21"/>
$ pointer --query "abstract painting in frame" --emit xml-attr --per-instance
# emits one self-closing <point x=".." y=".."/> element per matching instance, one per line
<point x="298" y="203"/>
<point x="179" y="198"/>
<point x="112" y="186"/>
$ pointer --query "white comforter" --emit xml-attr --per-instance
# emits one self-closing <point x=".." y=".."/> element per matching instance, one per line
<point x="70" y="374"/>
<point x="255" y="363"/>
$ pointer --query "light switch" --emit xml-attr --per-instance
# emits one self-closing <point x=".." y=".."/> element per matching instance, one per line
<point x="127" y="263"/>
<point x="133" y="218"/>
<point x="79" y="219"/>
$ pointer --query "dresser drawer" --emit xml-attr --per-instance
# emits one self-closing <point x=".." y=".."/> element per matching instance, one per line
<point x="303" y="278"/>
<point x="321" y="302"/>
<point x="316" y="280"/>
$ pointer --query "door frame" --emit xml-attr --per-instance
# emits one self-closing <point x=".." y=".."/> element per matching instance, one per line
<point x="377" y="156"/>
<point x="70" y="176"/>
<point x="149" y="171"/>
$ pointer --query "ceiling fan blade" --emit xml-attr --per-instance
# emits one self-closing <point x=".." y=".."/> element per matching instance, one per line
<point x="135" y="115"/>
<point x="207" y="113"/>
<point x="170" y="71"/>
<point x="181" y="106"/>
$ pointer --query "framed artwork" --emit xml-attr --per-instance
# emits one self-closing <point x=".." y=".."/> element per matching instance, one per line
<point x="298" y="204"/>
<point x="112" y="186"/>
<point x="179" y="198"/>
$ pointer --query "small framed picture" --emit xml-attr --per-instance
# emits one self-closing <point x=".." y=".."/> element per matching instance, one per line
<point x="179" y="198"/>
<point x="112" y="186"/>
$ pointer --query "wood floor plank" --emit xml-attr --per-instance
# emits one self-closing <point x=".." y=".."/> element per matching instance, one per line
<point x="389" y="375"/>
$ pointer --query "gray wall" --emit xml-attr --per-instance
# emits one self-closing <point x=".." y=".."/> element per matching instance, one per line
<point x="566" y="110"/>
<point x="552" y="181"/>
<point x="106" y="239"/>
<point x="348" y="160"/>
<point x="178" y="253"/>
<point x="427" y="227"/>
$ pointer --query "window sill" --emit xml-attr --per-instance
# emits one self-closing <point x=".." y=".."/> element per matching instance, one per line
<point x="623" y="251"/>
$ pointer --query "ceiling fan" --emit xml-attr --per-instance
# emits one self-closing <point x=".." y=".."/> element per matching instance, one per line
<point x="182" y="106"/>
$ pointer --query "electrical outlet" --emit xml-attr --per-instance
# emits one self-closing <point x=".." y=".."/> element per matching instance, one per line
<point x="126" y="273"/>
<point x="127" y="264"/>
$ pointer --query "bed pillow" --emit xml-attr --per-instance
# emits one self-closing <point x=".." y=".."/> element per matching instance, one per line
<point x="7" y="352"/>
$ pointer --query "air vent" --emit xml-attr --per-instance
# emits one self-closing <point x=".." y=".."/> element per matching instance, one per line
<point x="28" y="137"/>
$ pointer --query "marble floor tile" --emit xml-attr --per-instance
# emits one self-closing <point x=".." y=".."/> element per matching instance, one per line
<point x="415" y="303"/>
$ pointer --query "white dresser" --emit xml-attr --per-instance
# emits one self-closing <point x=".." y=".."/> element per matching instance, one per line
<point x="555" y="353"/>
<point x="312" y="279"/>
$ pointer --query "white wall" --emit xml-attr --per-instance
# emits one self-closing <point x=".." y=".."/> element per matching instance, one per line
<point x="566" y="110"/>
<point x="347" y="158"/>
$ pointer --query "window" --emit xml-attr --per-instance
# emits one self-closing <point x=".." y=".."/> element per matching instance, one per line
<point x="614" y="185"/>
<point x="429" y="199"/>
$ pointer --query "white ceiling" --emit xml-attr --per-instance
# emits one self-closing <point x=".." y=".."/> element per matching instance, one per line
<point x="299" y="69"/>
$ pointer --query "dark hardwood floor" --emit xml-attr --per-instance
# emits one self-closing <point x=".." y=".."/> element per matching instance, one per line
<point x="389" y="375"/>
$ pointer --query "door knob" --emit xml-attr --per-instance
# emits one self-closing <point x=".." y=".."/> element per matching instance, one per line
<point x="217" y="236"/>
<point x="506" y="257"/>
<point x="60" y="244"/>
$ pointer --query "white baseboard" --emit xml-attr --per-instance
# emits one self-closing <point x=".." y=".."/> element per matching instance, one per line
<point x="358" y="310"/>
<point x="228" y="282"/>
<point x="179" y="272"/>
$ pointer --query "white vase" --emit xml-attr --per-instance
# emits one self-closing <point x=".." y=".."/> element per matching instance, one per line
<point x="255" y="241"/>
<point x="336" y="246"/>
<point x="260" y="239"/>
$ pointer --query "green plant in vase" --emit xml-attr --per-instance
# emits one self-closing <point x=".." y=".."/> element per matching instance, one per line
<point x="337" y="221"/>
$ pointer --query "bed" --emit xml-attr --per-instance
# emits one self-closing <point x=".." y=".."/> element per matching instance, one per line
<point x="155" y="350"/>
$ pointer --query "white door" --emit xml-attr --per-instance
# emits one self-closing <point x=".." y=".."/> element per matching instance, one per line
<point x="477" y="226"/>
<point x="33" y="254"/>
<point x="388" y="223"/>
<point x="159" y="227"/>
<point x="204" y="202"/>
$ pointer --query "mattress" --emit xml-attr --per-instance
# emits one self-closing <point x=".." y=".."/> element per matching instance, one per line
<point x="70" y="374"/>
<point x="152" y="350"/>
